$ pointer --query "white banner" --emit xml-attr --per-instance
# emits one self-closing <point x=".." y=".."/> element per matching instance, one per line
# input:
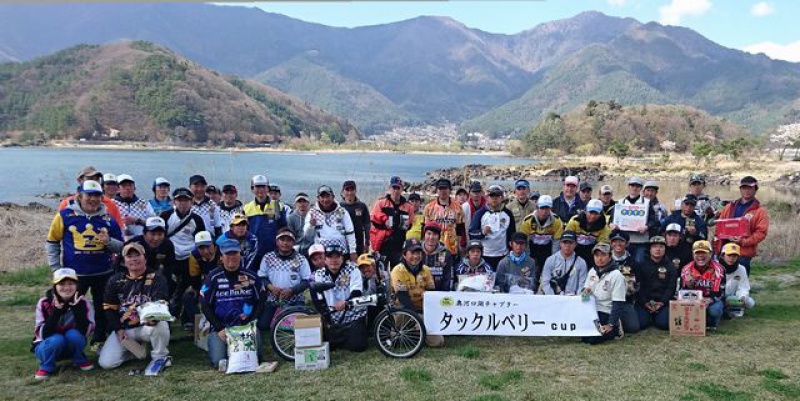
<point x="485" y="314"/>
<point x="630" y="217"/>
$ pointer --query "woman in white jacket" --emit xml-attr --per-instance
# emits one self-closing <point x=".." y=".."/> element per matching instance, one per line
<point x="737" y="287"/>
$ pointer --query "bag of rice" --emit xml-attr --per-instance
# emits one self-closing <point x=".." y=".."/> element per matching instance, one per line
<point x="242" y="353"/>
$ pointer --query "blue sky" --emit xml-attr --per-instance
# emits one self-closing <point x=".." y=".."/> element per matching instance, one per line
<point x="752" y="25"/>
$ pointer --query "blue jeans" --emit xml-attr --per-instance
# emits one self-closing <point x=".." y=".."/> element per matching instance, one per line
<point x="714" y="313"/>
<point x="659" y="319"/>
<point x="61" y="346"/>
<point x="630" y="320"/>
<point x="639" y="252"/>
<point x="218" y="349"/>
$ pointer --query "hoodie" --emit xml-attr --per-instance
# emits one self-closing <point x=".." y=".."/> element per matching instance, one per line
<point x="51" y="320"/>
<point x="588" y="233"/>
<point x="441" y="263"/>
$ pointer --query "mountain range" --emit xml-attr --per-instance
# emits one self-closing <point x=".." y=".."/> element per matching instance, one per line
<point x="434" y="69"/>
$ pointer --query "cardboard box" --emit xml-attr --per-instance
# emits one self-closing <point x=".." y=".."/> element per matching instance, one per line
<point x="312" y="358"/>
<point x="307" y="331"/>
<point x="687" y="318"/>
<point x="728" y="228"/>
<point x="201" y="330"/>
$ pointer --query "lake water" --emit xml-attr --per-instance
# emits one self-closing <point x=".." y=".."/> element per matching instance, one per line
<point x="27" y="172"/>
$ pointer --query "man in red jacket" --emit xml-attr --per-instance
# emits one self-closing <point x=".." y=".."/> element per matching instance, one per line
<point x="750" y="208"/>
<point x="391" y="217"/>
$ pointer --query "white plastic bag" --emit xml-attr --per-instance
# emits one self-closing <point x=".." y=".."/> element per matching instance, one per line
<point x="242" y="354"/>
<point x="155" y="310"/>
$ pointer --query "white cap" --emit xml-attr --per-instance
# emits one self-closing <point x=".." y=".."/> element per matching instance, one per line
<point x="315" y="249"/>
<point x="545" y="201"/>
<point x="651" y="184"/>
<point x="635" y="181"/>
<point x="203" y="238"/>
<point x="160" y="181"/>
<point x="674" y="227"/>
<point x="606" y="189"/>
<point x="155" y="222"/>
<point x="91" y="187"/>
<point x="259" y="180"/>
<point x="571" y="180"/>
<point x="108" y="177"/>
<point x="125" y="177"/>
<point x="64" y="273"/>
<point x="594" y="205"/>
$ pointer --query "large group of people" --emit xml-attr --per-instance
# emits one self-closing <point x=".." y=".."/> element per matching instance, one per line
<point x="205" y="250"/>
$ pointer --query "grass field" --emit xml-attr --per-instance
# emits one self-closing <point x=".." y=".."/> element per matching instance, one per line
<point x="754" y="358"/>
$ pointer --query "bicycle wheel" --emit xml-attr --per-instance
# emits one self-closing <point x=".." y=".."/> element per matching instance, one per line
<point x="282" y="332"/>
<point x="400" y="333"/>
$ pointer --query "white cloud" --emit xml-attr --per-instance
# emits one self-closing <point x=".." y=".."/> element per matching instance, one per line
<point x="762" y="9"/>
<point x="617" y="3"/>
<point x="672" y="13"/>
<point x="788" y="52"/>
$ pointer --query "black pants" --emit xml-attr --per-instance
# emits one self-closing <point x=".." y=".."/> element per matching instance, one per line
<point x="493" y="261"/>
<point x="603" y="318"/>
<point x="97" y="284"/>
<point x="352" y="338"/>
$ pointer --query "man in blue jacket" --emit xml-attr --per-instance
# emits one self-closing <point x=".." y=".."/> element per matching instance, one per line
<point x="692" y="224"/>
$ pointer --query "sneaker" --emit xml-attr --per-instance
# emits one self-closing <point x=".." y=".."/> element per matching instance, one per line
<point x="41" y="374"/>
<point x="86" y="366"/>
<point x="223" y="365"/>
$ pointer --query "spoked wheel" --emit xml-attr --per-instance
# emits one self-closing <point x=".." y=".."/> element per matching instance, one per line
<point x="399" y="333"/>
<point x="282" y="332"/>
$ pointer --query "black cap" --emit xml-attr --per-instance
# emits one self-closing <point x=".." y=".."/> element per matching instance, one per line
<point x="414" y="196"/>
<point x="690" y="198"/>
<point x="585" y="185"/>
<point x="412" y="244"/>
<point x="197" y="179"/>
<point x="333" y="248"/>
<point x="432" y="226"/>
<point x="324" y="189"/>
<point x="229" y="188"/>
<point x="520" y="238"/>
<point x="535" y="195"/>
<point x="475" y="186"/>
<point x="444" y="183"/>
<point x="348" y="184"/>
<point x="569" y="235"/>
<point x="213" y="189"/>
<point x="748" y="181"/>
<point x="474" y="244"/>
<point x="617" y="234"/>
<point x="182" y="193"/>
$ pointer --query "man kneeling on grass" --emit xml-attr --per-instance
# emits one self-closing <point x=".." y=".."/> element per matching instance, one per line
<point x="607" y="284"/>
<point x="737" y="287"/>
<point x="708" y="276"/>
<point x="410" y="280"/>
<point x="123" y="293"/>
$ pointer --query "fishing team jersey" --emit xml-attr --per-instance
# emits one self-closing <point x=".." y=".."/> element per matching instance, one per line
<point x="248" y="245"/>
<point x="199" y="267"/>
<point x="348" y="280"/>
<point x="542" y="233"/>
<point x="230" y="298"/>
<point x="403" y="280"/>
<point x="264" y="220"/>
<point x="441" y="264"/>
<point x="630" y="270"/>
<point x="208" y="210"/>
<point x="290" y="271"/>
<point x="124" y="294"/>
<point x="181" y="231"/>
<point x="75" y="232"/>
<point x="333" y="227"/>
<point x="449" y="217"/>
<point x="607" y="287"/>
<point x="711" y="281"/>
<point x="226" y="213"/>
<point x="137" y="208"/>
<point x="501" y="223"/>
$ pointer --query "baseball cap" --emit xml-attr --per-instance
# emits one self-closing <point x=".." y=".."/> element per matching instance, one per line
<point x="535" y="195"/>
<point x="522" y="184"/>
<point x="285" y="232"/>
<point x="274" y="187"/>
<point x="349" y="184"/>
<point x="133" y="246"/>
<point x="474" y="244"/>
<point x="155" y="223"/>
<point x="658" y="240"/>
<point x="412" y="244"/>
<point x="674" y="227"/>
<point x="197" y="179"/>
<point x="594" y="205"/>
<point x="258" y="180"/>
<point x="602" y="247"/>
<point x="606" y="189"/>
<point x="91" y="187"/>
<point x="748" y="181"/>
<point x="229" y="246"/>
<point x="63" y="273"/>
<point x="125" y="177"/>
<point x="496" y="190"/>
<point x="571" y="180"/>
<point x="229" y="188"/>
<point x="519" y="237"/>
<point x="569" y="235"/>
<point x="239" y="218"/>
<point x="333" y="248"/>
<point x="545" y="201"/>
<point x="635" y="181"/>
<point x="324" y="189"/>
<point x="108" y="177"/>
<point x="160" y="181"/>
<point x="621" y="235"/>
<point x="697" y="178"/>
<point x="443" y="183"/>
<point x="414" y="197"/>
<point x="731" y="249"/>
<point x="701" y="246"/>
<point x="182" y="193"/>
<point x="88" y="171"/>
<point x="585" y="185"/>
<point x="432" y="226"/>
<point x="203" y="238"/>
<point x="475" y="186"/>
<point x="395" y="181"/>
<point x="651" y="184"/>
<point x="316" y="248"/>
<point x="461" y="190"/>
<point x="690" y="198"/>
<point x="301" y="196"/>
<point x="365" y="259"/>
<point x="213" y="189"/>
